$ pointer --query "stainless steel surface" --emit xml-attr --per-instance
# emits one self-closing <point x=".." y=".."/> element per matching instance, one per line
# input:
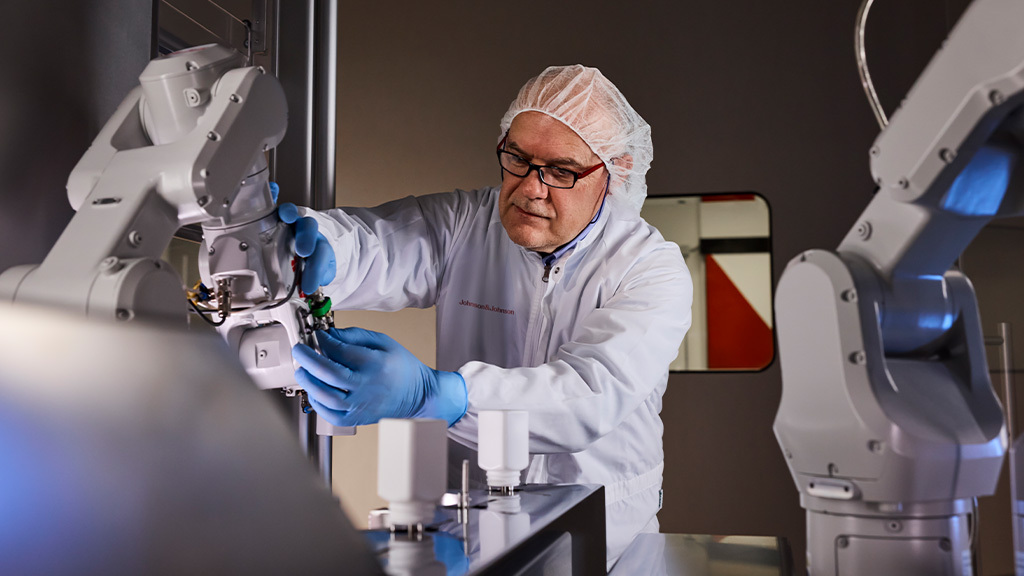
<point x="862" y="64"/>
<point x="702" y="555"/>
<point x="145" y="449"/>
<point x="542" y="530"/>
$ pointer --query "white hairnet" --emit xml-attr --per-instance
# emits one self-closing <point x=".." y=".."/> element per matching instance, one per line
<point x="588" y="103"/>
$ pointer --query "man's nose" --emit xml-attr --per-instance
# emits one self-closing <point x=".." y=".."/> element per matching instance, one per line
<point x="532" y="186"/>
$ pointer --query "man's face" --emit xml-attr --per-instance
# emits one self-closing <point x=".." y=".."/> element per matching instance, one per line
<point x="535" y="215"/>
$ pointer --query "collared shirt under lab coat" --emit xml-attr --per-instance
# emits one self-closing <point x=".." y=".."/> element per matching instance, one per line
<point x="584" y="346"/>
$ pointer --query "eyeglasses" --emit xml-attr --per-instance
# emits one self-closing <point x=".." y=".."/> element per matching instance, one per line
<point x="552" y="176"/>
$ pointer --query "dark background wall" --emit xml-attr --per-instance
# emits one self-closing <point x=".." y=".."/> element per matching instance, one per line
<point x="67" y="65"/>
<point x="741" y="95"/>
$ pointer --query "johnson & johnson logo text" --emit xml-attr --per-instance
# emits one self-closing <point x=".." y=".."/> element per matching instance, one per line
<point x="488" y="307"/>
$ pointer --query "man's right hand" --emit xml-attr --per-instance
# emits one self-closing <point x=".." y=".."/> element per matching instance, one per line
<point x="312" y="246"/>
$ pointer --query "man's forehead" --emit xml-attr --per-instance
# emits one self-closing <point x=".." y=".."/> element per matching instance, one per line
<point x="531" y="128"/>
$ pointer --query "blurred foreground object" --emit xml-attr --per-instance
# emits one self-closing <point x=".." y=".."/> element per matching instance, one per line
<point x="136" y="448"/>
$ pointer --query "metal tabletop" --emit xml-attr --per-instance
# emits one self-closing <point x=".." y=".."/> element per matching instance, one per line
<point x="541" y="529"/>
<point x="703" y="555"/>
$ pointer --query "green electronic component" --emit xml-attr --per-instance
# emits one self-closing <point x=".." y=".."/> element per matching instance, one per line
<point x="320" y="308"/>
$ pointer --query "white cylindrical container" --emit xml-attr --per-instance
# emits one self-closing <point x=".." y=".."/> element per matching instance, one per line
<point x="412" y="468"/>
<point x="504" y="446"/>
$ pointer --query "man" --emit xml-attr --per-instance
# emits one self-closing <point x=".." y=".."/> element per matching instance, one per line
<point x="553" y="296"/>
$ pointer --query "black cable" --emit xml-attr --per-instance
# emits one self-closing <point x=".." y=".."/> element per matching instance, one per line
<point x="203" y="315"/>
<point x="291" y="292"/>
<point x="298" y="278"/>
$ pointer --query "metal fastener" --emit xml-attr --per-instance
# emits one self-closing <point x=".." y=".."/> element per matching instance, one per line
<point x="947" y="155"/>
<point x="192" y="97"/>
<point x="864" y="230"/>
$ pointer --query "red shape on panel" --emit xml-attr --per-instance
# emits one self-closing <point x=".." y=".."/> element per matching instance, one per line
<point x="738" y="339"/>
<point x="728" y="197"/>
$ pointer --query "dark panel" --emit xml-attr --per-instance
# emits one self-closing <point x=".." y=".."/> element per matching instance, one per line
<point x="69" y="64"/>
<point x="735" y="245"/>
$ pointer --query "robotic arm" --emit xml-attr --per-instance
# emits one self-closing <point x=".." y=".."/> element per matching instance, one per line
<point x="186" y="146"/>
<point x="888" y="421"/>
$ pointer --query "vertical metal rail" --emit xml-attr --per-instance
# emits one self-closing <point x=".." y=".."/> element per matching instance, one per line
<point x="1006" y="353"/>
<point x="326" y="444"/>
<point x="326" y="103"/>
<point x="324" y="57"/>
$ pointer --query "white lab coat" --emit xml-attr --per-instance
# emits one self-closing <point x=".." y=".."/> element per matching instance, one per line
<point x="586" y="352"/>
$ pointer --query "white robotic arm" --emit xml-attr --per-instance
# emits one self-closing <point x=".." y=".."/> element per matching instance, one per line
<point x="888" y="420"/>
<point x="186" y="146"/>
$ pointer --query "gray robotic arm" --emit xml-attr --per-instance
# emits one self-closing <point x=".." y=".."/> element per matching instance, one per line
<point x="888" y="420"/>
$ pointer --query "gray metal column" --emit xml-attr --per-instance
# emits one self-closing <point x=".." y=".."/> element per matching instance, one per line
<point x="306" y="63"/>
<point x="326" y="103"/>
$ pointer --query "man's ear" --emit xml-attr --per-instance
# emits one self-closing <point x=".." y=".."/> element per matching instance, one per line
<point x="625" y="161"/>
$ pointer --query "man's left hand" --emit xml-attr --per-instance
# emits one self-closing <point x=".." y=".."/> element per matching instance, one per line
<point x="363" y="376"/>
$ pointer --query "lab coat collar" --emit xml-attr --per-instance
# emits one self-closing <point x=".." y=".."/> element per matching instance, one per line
<point x="557" y="254"/>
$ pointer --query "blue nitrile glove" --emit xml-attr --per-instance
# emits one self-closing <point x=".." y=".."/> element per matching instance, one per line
<point x="363" y="376"/>
<point x="321" y="265"/>
<point x="449" y="550"/>
<point x="275" y="191"/>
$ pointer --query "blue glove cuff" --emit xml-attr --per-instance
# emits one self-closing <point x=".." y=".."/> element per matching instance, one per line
<point x="449" y="402"/>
